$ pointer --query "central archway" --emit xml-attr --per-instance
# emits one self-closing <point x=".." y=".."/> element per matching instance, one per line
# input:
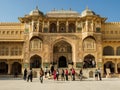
<point x="62" y="62"/>
<point x="62" y="54"/>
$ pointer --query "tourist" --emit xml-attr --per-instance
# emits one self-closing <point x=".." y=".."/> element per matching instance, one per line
<point x="81" y="74"/>
<point x="99" y="74"/>
<point x="73" y="74"/>
<point x="57" y="74"/>
<point x="41" y="75"/>
<point x="96" y="74"/>
<point x="66" y="74"/>
<point x="54" y="74"/>
<point x="46" y="70"/>
<point x="62" y="75"/>
<point x="30" y="75"/>
<point x="25" y="74"/>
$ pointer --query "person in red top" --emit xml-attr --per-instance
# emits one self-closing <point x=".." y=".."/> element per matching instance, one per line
<point x="66" y="74"/>
<point x="54" y="74"/>
<point x="73" y="74"/>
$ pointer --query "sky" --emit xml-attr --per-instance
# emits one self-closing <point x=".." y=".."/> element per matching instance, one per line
<point x="10" y="10"/>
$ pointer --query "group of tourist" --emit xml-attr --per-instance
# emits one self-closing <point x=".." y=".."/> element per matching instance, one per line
<point x="64" y="73"/>
<point x="58" y="74"/>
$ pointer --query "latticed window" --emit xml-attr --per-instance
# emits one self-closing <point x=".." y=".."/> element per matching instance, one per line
<point x="16" y="51"/>
<point x="71" y="27"/>
<point x="62" y="28"/>
<point x="89" y="44"/>
<point x="36" y="44"/>
<point x="4" y="51"/>
<point x="53" y="28"/>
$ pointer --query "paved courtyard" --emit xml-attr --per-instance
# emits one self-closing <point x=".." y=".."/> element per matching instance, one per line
<point x="88" y="84"/>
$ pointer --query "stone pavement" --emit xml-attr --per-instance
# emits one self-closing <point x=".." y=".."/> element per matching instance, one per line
<point x="87" y="84"/>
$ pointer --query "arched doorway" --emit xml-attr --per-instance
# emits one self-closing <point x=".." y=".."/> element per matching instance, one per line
<point x="3" y="68"/>
<point x="62" y="62"/>
<point x="62" y="52"/>
<point x="35" y="61"/>
<point x="89" y="61"/>
<point x="109" y="65"/>
<point x="16" y="68"/>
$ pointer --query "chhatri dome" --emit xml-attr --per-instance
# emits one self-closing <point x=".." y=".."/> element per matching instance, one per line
<point x="87" y="12"/>
<point x="36" y="12"/>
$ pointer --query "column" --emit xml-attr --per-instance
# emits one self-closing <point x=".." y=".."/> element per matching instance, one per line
<point x="9" y="67"/>
<point x="66" y="26"/>
<point x="76" y="24"/>
<point x="48" y="26"/>
<point x="86" y="26"/>
<point x="116" y="67"/>
<point x="115" y="51"/>
<point x="92" y="25"/>
<point x="57" y="26"/>
<point x="43" y="26"/>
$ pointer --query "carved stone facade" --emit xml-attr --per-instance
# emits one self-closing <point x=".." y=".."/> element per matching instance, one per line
<point x="62" y="38"/>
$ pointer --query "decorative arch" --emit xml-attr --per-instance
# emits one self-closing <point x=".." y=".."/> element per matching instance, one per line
<point x="71" y="27"/>
<point x="53" y="28"/>
<point x="89" y="43"/>
<point x="108" y="50"/>
<point x="35" y="61"/>
<point x="118" y="51"/>
<point x="89" y="61"/>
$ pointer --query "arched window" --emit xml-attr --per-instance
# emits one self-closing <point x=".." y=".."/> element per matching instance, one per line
<point x="108" y="50"/>
<point x="53" y="28"/>
<point x="35" y="44"/>
<point x="118" y="51"/>
<point x="62" y="28"/>
<point x="71" y="28"/>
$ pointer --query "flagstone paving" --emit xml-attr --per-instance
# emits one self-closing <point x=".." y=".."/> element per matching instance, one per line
<point x="88" y="84"/>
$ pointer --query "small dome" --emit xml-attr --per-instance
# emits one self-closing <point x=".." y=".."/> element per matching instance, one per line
<point x="87" y="12"/>
<point x="36" y="12"/>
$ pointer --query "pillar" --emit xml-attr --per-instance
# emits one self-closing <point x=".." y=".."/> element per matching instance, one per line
<point x="66" y="26"/>
<point x="43" y="26"/>
<point x="86" y="25"/>
<point x="116" y="67"/>
<point x="9" y="68"/>
<point x="57" y="26"/>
